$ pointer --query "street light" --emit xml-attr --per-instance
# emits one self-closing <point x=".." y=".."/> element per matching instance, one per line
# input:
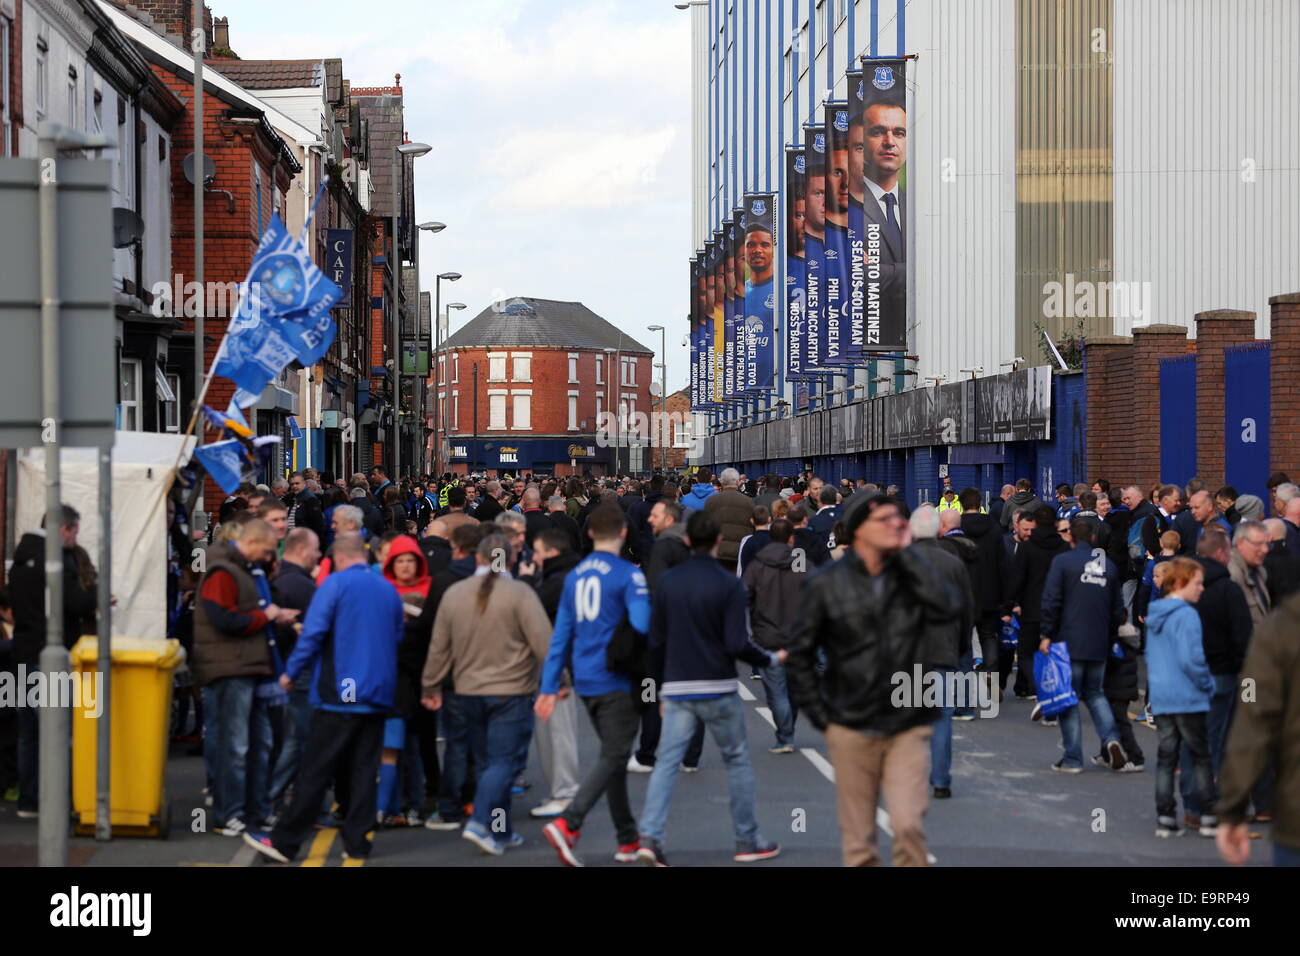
<point x="433" y="228"/>
<point x="663" y="391"/>
<point x="437" y="375"/>
<point x="405" y="149"/>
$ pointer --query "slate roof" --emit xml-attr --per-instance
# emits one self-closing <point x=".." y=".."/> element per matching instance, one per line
<point x="542" y="323"/>
<point x="285" y="74"/>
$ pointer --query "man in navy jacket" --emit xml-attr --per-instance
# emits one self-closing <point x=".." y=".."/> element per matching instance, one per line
<point x="698" y="628"/>
<point x="1083" y="607"/>
<point x="349" y="640"/>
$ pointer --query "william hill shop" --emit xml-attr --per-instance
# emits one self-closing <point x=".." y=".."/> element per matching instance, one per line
<point x="561" y="457"/>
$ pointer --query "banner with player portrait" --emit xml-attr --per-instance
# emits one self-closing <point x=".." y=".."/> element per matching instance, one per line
<point x="814" y="231"/>
<point x="835" y="248"/>
<point x="885" y="206"/>
<point x="857" y="186"/>
<point x="795" y="291"/>
<point x="718" y="331"/>
<point x="694" y="310"/>
<point x="758" y="247"/>
<point x="731" y="311"/>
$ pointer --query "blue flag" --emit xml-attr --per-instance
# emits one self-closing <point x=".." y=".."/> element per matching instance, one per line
<point x="224" y="461"/>
<point x="283" y="313"/>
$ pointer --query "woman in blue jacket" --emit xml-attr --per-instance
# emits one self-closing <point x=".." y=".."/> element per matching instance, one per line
<point x="1179" y="688"/>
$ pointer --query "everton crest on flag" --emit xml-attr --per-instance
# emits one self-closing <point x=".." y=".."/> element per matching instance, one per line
<point x="758" y="245"/>
<point x="283" y="313"/>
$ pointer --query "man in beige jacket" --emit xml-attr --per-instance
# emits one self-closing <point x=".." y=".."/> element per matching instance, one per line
<point x="491" y="633"/>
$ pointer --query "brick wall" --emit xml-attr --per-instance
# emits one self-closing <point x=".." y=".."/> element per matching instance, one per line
<point x="1151" y="343"/>
<point x="678" y="407"/>
<point x="1214" y="331"/>
<point x="1109" y="365"/>
<point x="1284" y="361"/>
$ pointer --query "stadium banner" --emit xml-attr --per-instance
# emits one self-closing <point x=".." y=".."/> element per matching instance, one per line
<point x="759" y="317"/>
<point x="885" y="205"/>
<point x="857" y="186"/>
<point x="835" y="252"/>
<point x="719" y="333"/>
<point x="814" y="230"/>
<point x="693" y="325"/>
<point x="796" y="293"/>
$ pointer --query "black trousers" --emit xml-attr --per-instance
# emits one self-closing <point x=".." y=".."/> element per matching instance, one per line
<point x="1031" y="634"/>
<point x="425" y="724"/>
<point x="651" y="726"/>
<point x="615" y="718"/>
<point x="1124" y="727"/>
<point x="342" y="747"/>
<point x="996" y="657"/>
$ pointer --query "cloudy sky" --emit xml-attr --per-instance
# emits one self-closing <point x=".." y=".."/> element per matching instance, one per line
<point x="561" y="135"/>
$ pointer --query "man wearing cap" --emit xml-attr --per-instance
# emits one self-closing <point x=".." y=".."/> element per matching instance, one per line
<point x="880" y="610"/>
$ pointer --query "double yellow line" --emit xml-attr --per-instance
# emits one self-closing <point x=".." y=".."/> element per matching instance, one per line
<point x="320" y="849"/>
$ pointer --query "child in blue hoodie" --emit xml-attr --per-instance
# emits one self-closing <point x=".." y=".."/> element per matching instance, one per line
<point x="1179" y="688"/>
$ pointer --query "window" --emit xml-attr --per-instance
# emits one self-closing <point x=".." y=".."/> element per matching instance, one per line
<point x="496" y="409"/>
<point x="600" y="370"/>
<point x="523" y="414"/>
<point x="523" y="362"/>
<point x="600" y="409"/>
<point x="629" y="371"/>
<point x="682" y="432"/>
<point x="573" y="368"/>
<point x="72" y="99"/>
<point x="496" y="366"/>
<point x="442" y="369"/>
<point x="5" y="84"/>
<point x="171" y="405"/>
<point x="455" y="369"/>
<point x="573" y="411"/>
<point x="455" y="410"/>
<point x="128" y="395"/>
<point x="42" y="73"/>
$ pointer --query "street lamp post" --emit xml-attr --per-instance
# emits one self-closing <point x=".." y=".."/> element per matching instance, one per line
<point x="395" y="268"/>
<point x="663" y="391"/>
<point x="433" y="228"/>
<point x="437" y="375"/>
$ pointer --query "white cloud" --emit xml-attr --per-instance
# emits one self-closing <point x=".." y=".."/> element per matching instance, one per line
<point x="572" y="169"/>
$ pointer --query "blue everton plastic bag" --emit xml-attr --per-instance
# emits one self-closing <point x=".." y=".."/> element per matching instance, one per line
<point x="1010" y="635"/>
<point x="1052" y="678"/>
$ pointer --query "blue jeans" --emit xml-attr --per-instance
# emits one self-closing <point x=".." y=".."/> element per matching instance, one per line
<point x="1285" y="855"/>
<point x="295" y="741"/>
<point x="725" y="719"/>
<point x="1216" y="727"/>
<point x="500" y="730"/>
<point x="239" y="737"/>
<point x="964" y="666"/>
<point x="1086" y="679"/>
<point x="941" y="741"/>
<point x="1188" y="731"/>
<point x="455" y="756"/>
<point x="779" y="702"/>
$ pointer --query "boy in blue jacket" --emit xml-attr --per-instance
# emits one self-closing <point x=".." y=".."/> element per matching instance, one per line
<point x="1180" y="688"/>
<point x="349" y="640"/>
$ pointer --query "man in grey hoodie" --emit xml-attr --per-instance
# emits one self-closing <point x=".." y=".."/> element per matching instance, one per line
<point x="1024" y="499"/>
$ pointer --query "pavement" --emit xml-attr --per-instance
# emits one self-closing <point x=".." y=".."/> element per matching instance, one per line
<point x="1008" y="809"/>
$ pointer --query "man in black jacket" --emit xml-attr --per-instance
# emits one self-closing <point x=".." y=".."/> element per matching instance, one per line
<point x="812" y="544"/>
<point x="304" y="507"/>
<point x="1225" y="635"/>
<point x="558" y="516"/>
<point x="1025" y="595"/>
<point x="1281" y="566"/>
<point x="774" y="589"/>
<point x="27" y="591"/>
<point x="874" y="613"/>
<point x="293" y="587"/>
<point x="436" y="546"/>
<point x="951" y="557"/>
<point x="640" y="535"/>
<point x="988" y="579"/>
<point x="557" y="738"/>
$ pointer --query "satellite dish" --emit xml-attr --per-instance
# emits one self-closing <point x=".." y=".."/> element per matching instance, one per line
<point x="128" y="227"/>
<point x="209" y="169"/>
<point x="655" y="389"/>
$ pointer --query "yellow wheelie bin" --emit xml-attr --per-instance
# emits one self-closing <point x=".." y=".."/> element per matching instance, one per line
<point x="140" y="701"/>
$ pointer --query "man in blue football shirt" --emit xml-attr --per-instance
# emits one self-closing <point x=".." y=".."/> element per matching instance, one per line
<point x="598" y="594"/>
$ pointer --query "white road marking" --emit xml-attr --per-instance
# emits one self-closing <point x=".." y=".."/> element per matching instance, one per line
<point x="746" y="693"/>
<point x="766" y="714"/>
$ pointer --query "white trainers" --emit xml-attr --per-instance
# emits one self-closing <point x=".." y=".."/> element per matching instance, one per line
<point x="551" y="808"/>
<point x="636" y="766"/>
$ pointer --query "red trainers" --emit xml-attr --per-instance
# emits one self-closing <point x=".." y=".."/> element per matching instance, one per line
<point x="559" y="835"/>
<point x="627" y="852"/>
